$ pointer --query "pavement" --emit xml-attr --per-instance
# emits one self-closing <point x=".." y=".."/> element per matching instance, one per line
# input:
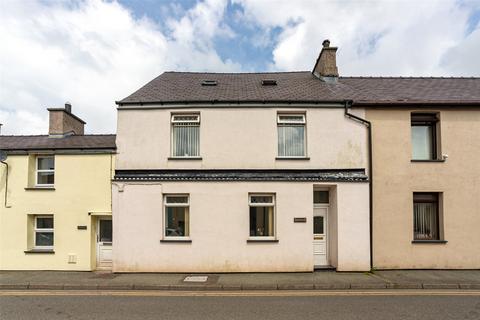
<point x="319" y="280"/>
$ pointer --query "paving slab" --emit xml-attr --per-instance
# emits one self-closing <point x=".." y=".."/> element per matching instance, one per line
<point x="430" y="276"/>
<point x="441" y="286"/>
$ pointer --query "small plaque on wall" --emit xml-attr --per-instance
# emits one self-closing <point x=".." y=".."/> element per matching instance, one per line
<point x="299" y="220"/>
<point x="82" y="227"/>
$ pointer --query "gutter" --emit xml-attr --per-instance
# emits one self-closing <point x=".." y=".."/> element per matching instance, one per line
<point x="223" y="102"/>
<point x="417" y="103"/>
<point x="6" y="184"/>
<point x="368" y="124"/>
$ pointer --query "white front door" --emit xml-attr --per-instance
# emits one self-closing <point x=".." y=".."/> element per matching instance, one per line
<point x="320" y="237"/>
<point x="104" y="243"/>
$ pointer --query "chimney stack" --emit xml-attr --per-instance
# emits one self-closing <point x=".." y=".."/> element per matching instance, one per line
<point x="326" y="66"/>
<point x="68" y="107"/>
<point x="64" y="123"/>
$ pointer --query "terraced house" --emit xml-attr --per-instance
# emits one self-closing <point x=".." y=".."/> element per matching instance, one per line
<point x="253" y="172"/>
<point x="56" y="197"/>
<point x="240" y="172"/>
<point x="426" y="173"/>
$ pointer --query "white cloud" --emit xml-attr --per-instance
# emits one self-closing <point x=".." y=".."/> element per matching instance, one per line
<point x="375" y="37"/>
<point x="91" y="54"/>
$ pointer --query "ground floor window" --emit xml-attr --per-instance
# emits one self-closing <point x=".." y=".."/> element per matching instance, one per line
<point x="43" y="232"/>
<point x="262" y="208"/>
<point x="426" y="219"/>
<point x="177" y="220"/>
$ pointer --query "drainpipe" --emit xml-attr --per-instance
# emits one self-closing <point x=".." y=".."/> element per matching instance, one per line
<point x="6" y="183"/>
<point x="368" y="124"/>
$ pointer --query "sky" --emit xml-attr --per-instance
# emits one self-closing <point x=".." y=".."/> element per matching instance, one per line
<point x="92" y="53"/>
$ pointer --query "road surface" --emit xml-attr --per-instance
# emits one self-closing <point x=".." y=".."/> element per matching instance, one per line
<point x="278" y="305"/>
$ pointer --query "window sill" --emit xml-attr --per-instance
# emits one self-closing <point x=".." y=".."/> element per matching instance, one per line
<point x="432" y="160"/>
<point x="184" y="158"/>
<point x="176" y="240"/>
<point x="429" y="241"/>
<point x="40" y="251"/>
<point x="40" y="188"/>
<point x="262" y="240"/>
<point x="292" y="158"/>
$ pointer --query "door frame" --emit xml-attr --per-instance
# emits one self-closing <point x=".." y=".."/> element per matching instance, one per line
<point x="326" y="230"/>
<point x="98" y="242"/>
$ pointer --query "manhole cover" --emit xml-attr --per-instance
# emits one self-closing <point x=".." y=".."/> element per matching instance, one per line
<point x="196" y="279"/>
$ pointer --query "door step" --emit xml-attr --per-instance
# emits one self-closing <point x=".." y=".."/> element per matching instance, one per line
<point x="324" y="268"/>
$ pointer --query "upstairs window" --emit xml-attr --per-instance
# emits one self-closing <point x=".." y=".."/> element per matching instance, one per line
<point x="424" y="136"/>
<point x="291" y="135"/>
<point x="186" y="135"/>
<point x="45" y="171"/>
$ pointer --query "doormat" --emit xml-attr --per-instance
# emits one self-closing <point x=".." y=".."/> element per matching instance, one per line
<point x="196" y="279"/>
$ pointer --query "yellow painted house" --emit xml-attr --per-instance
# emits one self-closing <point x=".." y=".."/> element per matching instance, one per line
<point x="55" y="189"/>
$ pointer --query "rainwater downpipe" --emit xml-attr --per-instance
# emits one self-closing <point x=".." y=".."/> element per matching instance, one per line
<point x="6" y="183"/>
<point x="368" y="124"/>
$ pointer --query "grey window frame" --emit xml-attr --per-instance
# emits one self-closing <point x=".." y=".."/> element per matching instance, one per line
<point x="427" y="119"/>
<point x="428" y="197"/>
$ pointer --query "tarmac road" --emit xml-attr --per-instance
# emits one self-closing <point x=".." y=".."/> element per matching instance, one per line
<point x="278" y="305"/>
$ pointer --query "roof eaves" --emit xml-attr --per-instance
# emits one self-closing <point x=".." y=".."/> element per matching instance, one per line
<point x="212" y="102"/>
<point x="418" y="103"/>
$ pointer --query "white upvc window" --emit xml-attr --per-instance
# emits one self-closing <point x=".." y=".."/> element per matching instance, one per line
<point x="177" y="216"/>
<point x="45" y="171"/>
<point x="291" y="135"/>
<point x="43" y="232"/>
<point x="262" y="216"/>
<point x="185" y="135"/>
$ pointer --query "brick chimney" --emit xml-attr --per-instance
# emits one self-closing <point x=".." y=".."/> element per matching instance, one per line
<point x="326" y="65"/>
<point x="64" y="123"/>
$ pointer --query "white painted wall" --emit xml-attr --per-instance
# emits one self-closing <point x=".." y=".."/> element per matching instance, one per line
<point x="240" y="138"/>
<point x="219" y="228"/>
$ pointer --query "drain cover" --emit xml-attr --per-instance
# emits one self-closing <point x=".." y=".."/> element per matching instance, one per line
<point x="196" y="279"/>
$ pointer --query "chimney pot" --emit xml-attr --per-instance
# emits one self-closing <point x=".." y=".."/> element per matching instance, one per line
<point x="326" y="43"/>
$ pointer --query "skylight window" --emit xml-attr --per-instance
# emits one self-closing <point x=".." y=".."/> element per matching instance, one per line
<point x="269" y="82"/>
<point x="209" y="82"/>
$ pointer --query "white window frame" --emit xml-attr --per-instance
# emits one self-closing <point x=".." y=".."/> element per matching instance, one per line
<point x="184" y="205"/>
<point x="264" y="204"/>
<point x="301" y="122"/>
<point x="36" y="229"/>
<point x="37" y="158"/>
<point x="174" y="121"/>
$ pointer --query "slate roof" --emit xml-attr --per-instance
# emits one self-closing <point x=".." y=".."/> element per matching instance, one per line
<point x="302" y="87"/>
<point x="347" y="175"/>
<point x="44" y="142"/>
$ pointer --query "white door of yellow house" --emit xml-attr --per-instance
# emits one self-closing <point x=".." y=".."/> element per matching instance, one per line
<point x="104" y="244"/>
<point x="320" y="237"/>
